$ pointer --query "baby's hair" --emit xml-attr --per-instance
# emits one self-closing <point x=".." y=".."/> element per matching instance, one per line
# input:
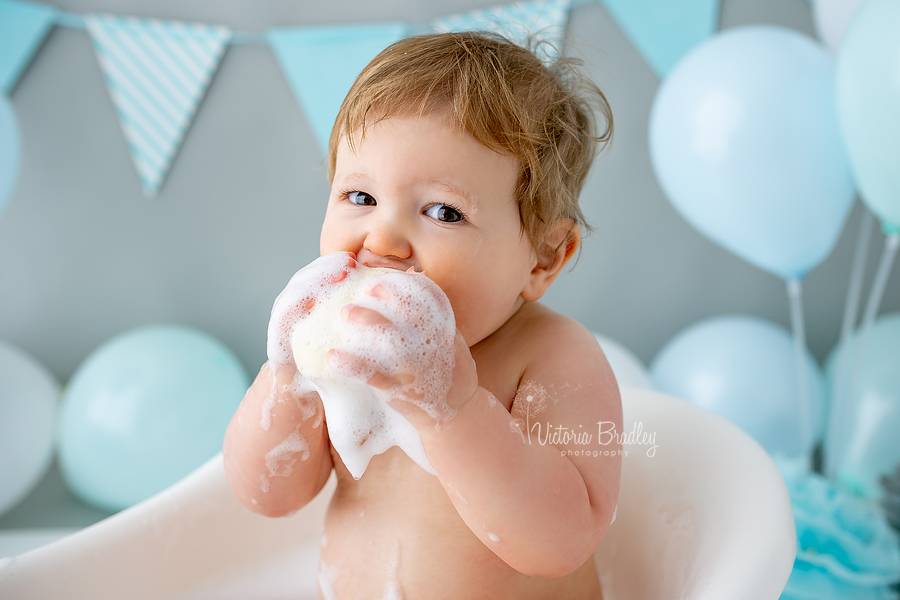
<point x="505" y="97"/>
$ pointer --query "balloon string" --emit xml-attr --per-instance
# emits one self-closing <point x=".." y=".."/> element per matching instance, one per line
<point x="794" y="289"/>
<point x="891" y="243"/>
<point x="838" y="420"/>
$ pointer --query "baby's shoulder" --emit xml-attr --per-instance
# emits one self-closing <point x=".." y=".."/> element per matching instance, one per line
<point x="564" y="358"/>
<point x="544" y="330"/>
<point x="536" y="342"/>
<point x="545" y="341"/>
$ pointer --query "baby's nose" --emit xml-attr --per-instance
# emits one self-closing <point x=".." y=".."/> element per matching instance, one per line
<point x="387" y="238"/>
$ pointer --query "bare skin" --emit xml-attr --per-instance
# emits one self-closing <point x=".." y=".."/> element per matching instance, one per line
<point x="507" y="516"/>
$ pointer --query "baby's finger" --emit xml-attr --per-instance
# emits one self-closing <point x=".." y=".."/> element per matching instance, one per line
<point x="349" y="365"/>
<point x="348" y="266"/>
<point x="306" y="306"/>
<point x="386" y="382"/>
<point x="363" y="315"/>
<point x="379" y="290"/>
<point x="365" y="370"/>
<point x="396" y="288"/>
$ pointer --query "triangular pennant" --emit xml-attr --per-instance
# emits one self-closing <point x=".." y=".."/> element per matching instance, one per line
<point x="23" y="27"/>
<point x="664" y="30"/>
<point x="157" y="73"/>
<point x="321" y="63"/>
<point x="545" y="20"/>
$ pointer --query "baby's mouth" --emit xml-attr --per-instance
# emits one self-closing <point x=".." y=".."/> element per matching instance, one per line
<point x="411" y="269"/>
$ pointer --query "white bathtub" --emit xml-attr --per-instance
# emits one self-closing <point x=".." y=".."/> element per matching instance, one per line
<point x="706" y="517"/>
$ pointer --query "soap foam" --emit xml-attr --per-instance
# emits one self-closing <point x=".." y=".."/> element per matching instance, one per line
<point x="280" y="459"/>
<point x="326" y="580"/>
<point x="392" y="588"/>
<point x="417" y="343"/>
<point x="309" y="285"/>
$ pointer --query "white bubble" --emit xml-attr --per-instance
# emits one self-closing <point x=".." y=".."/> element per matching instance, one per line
<point x="326" y="579"/>
<point x="392" y="587"/>
<point x="280" y="459"/>
<point x="460" y="496"/>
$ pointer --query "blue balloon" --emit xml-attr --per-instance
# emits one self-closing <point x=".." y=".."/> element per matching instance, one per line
<point x="28" y="398"/>
<point x="743" y="368"/>
<point x="868" y="100"/>
<point x="745" y="143"/>
<point x="143" y="411"/>
<point x="872" y="423"/>
<point x="10" y="149"/>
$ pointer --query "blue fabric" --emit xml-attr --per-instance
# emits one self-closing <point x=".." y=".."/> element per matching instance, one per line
<point x="23" y="26"/>
<point x="845" y="548"/>
<point x="321" y="63"/>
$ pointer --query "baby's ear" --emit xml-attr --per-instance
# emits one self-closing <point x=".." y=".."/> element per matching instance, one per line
<point x="557" y="247"/>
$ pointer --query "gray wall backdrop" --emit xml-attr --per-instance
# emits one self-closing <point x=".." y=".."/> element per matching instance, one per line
<point x="84" y="256"/>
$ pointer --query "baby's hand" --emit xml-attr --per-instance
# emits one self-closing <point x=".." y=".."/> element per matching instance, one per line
<point x="407" y="347"/>
<point x="309" y="285"/>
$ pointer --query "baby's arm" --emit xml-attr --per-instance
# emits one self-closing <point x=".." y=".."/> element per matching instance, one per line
<point x="278" y="469"/>
<point x="543" y="513"/>
<point x="276" y="451"/>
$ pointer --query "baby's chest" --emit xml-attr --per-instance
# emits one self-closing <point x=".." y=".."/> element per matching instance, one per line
<point x="394" y="495"/>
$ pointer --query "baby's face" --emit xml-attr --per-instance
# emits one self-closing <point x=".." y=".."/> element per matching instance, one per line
<point x="419" y="193"/>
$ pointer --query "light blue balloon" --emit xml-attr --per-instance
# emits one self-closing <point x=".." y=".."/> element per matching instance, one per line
<point x="10" y="149"/>
<point x="143" y="411"/>
<point x="743" y="369"/>
<point x="28" y="398"/>
<point x="868" y="99"/>
<point x="745" y="143"/>
<point x="872" y="427"/>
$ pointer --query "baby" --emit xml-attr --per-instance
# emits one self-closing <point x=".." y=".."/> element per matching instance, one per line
<point x="458" y="159"/>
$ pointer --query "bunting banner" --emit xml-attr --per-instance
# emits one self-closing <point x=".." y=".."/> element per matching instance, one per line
<point x="321" y="63"/>
<point x="23" y="27"/>
<point x="545" y="20"/>
<point x="662" y="30"/>
<point x="157" y="73"/>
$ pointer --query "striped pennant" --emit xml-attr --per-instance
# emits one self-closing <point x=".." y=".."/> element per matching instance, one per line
<point x="157" y="73"/>
<point x="546" y="20"/>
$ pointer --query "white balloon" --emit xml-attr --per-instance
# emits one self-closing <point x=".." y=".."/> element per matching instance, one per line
<point x="628" y="368"/>
<point x="832" y="18"/>
<point x="28" y="399"/>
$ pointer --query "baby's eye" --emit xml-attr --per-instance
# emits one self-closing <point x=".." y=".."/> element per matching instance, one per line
<point x="361" y="199"/>
<point x="444" y="213"/>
